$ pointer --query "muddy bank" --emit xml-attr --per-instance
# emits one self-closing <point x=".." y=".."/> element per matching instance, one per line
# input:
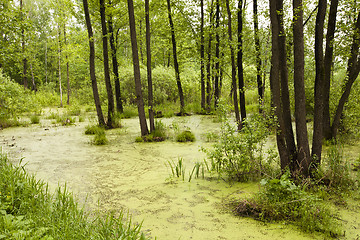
<point x="133" y="177"/>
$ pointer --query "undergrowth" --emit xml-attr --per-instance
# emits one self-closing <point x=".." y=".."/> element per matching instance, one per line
<point x="28" y="210"/>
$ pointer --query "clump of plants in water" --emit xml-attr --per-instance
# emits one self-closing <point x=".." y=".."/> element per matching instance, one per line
<point x="185" y="136"/>
<point x="158" y="135"/>
<point x="28" y="210"/>
<point x="280" y="199"/>
<point x="239" y="155"/>
<point x="99" y="134"/>
<point x="34" y="119"/>
<point x="178" y="170"/>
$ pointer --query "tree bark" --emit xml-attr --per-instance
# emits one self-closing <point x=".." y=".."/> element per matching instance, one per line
<point x="92" y="65"/>
<point x="217" y="54"/>
<point x="319" y="84"/>
<point x="59" y="67"/>
<point x="139" y="97"/>
<point x="240" y="61"/>
<point x="233" y="69"/>
<point x="118" y="100"/>
<point x="106" y="66"/>
<point x="176" y="64"/>
<point x="24" y="73"/>
<point x="209" y="60"/>
<point x="328" y="61"/>
<point x="148" y="63"/>
<point x="67" y="70"/>
<point x="260" y="86"/>
<point x="202" y="56"/>
<point x="303" y="160"/>
<point x="276" y="87"/>
<point x="285" y="99"/>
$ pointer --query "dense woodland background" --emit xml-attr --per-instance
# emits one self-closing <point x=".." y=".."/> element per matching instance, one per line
<point x="297" y="61"/>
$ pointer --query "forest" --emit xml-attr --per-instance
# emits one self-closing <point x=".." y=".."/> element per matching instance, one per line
<point x="245" y="107"/>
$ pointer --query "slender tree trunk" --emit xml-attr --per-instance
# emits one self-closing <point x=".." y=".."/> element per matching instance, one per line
<point x="285" y="99"/>
<point x="319" y="84"/>
<point x="275" y="87"/>
<point x="140" y="42"/>
<point x="24" y="73"/>
<point x="353" y="70"/>
<point x="202" y="56"/>
<point x="67" y="70"/>
<point x="217" y="53"/>
<point x="106" y="66"/>
<point x="209" y="60"/>
<point x="59" y="67"/>
<point x="148" y="63"/>
<point x="176" y="64"/>
<point x="328" y="62"/>
<point x="303" y="152"/>
<point x="233" y="69"/>
<point x="46" y="73"/>
<point x="240" y="61"/>
<point x="92" y="64"/>
<point x="34" y="88"/>
<point x="260" y="84"/>
<point x="139" y="97"/>
<point x="118" y="100"/>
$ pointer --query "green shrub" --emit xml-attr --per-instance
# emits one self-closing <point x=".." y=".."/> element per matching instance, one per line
<point x="92" y="129"/>
<point x="185" y="136"/>
<point x="100" y="137"/>
<point x="281" y="200"/>
<point x="239" y="155"/>
<point x="34" y="119"/>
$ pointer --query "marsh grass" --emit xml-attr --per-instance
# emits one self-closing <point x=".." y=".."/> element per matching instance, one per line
<point x="185" y="136"/>
<point x="28" y="210"/>
<point x="282" y="200"/>
<point x="34" y="119"/>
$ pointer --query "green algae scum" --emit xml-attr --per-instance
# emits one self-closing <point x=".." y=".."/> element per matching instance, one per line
<point x="126" y="176"/>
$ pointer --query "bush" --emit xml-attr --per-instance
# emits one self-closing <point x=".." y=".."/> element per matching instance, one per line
<point x="100" y="137"/>
<point x="238" y="155"/>
<point x="280" y="199"/>
<point x="34" y="119"/>
<point x="185" y="136"/>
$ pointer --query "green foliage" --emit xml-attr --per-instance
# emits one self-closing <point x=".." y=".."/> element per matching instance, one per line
<point x="185" y="136"/>
<point x="100" y="137"/>
<point x="280" y="199"/>
<point x="29" y="211"/>
<point x="158" y="135"/>
<point x="177" y="169"/>
<point x="35" y="119"/>
<point x="93" y="129"/>
<point x="239" y="156"/>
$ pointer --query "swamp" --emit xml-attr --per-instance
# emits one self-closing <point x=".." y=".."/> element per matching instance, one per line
<point x="179" y="119"/>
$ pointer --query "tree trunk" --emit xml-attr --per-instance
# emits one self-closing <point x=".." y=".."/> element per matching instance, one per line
<point x="24" y="73"/>
<point x="240" y="61"/>
<point x="285" y="99"/>
<point x="46" y="74"/>
<point x="118" y="100"/>
<point x="92" y="65"/>
<point x="67" y="70"/>
<point x="176" y="64"/>
<point x="217" y="54"/>
<point x="208" y="66"/>
<point x="233" y="69"/>
<point x="59" y="67"/>
<point x="260" y="85"/>
<point x="202" y="56"/>
<point x="106" y="66"/>
<point x="303" y="152"/>
<point x="328" y="62"/>
<point x="276" y="88"/>
<point x="319" y="84"/>
<point x="353" y="70"/>
<point x="148" y="63"/>
<point x="34" y="88"/>
<point x="134" y="48"/>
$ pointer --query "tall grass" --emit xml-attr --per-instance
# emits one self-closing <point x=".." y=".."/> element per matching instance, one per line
<point x="28" y="210"/>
